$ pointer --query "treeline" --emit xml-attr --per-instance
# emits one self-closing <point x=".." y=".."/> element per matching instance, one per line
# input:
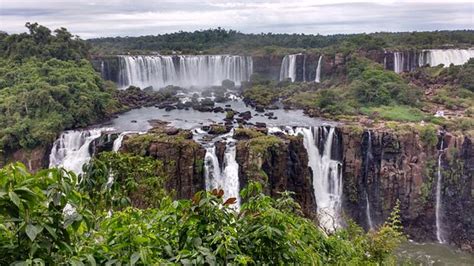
<point x="220" y="40"/>
<point x="46" y="86"/>
<point x="41" y="43"/>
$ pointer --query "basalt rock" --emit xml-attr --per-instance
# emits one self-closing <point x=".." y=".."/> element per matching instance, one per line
<point x="103" y="143"/>
<point x="34" y="160"/>
<point x="182" y="157"/>
<point x="401" y="167"/>
<point x="280" y="164"/>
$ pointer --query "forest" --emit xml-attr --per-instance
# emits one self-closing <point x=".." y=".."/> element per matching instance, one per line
<point x="229" y="41"/>
<point x="47" y="85"/>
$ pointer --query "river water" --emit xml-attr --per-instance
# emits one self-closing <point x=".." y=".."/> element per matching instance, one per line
<point x="435" y="254"/>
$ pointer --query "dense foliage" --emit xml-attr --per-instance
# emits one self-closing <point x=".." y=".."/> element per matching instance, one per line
<point x="51" y="218"/>
<point x="46" y="86"/>
<point x="39" y="99"/>
<point x="220" y="40"/>
<point x="40" y="43"/>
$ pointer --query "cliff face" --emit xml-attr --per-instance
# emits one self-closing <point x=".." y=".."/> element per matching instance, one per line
<point x="267" y="66"/>
<point x="401" y="167"/>
<point x="108" y="67"/>
<point x="34" y="160"/>
<point x="182" y="157"/>
<point x="281" y="163"/>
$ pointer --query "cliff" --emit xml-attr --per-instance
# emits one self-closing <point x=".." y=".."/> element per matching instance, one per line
<point x="400" y="166"/>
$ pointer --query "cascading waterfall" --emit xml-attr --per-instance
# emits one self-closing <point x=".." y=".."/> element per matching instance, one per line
<point x="71" y="149"/>
<point x="435" y="57"/>
<point x="410" y="60"/>
<point x="184" y="70"/>
<point x="318" y="70"/>
<point x="327" y="174"/>
<point x="288" y="67"/>
<point x="368" y="158"/>
<point x="227" y="177"/>
<point x="439" y="233"/>
<point x="398" y="62"/>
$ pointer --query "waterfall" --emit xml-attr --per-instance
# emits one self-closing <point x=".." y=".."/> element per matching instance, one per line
<point x="435" y="57"/>
<point x="367" y="212"/>
<point x="368" y="158"/>
<point x="398" y="62"/>
<point x="408" y="61"/>
<point x="288" y="67"/>
<point x="227" y="177"/>
<point x="71" y="149"/>
<point x="327" y="174"/>
<point x="184" y="70"/>
<point x="439" y="183"/>
<point x="118" y="141"/>
<point x="318" y="71"/>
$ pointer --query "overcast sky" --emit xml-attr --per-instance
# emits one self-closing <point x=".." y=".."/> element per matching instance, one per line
<point x="89" y="18"/>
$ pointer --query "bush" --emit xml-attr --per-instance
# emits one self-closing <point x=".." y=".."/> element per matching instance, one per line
<point x="368" y="93"/>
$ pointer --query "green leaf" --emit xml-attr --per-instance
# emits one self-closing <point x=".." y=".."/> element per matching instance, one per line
<point x="91" y="259"/>
<point x="33" y="230"/>
<point x="14" y="197"/>
<point x="134" y="258"/>
<point x="51" y="231"/>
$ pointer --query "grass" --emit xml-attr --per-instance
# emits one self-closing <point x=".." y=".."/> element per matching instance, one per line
<point x="395" y="113"/>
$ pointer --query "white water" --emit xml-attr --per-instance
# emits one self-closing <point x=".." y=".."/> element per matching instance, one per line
<point x="71" y="149"/>
<point x="403" y="61"/>
<point x="398" y="62"/>
<point x="367" y="211"/>
<point x="118" y="141"/>
<point x="288" y="67"/>
<point x="226" y="178"/>
<point x="367" y="163"/>
<point x="318" y="70"/>
<point x="439" y="233"/>
<point x="327" y="176"/>
<point x="184" y="70"/>
<point x="435" y="57"/>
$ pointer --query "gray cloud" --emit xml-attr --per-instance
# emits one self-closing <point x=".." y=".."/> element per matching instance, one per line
<point x="89" y="18"/>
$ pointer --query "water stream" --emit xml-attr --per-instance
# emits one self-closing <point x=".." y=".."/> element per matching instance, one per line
<point x="439" y="184"/>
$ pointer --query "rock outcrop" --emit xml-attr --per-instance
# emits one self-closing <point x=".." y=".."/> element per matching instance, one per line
<point x="182" y="157"/>
<point x="34" y="160"/>
<point x="401" y="167"/>
<point x="281" y="163"/>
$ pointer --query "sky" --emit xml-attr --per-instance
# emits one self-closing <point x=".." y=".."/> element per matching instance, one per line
<point x="90" y="18"/>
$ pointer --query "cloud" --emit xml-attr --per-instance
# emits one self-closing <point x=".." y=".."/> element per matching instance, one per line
<point x="89" y="18"/>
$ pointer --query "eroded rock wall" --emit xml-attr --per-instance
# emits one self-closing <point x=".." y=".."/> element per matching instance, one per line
<point x="402" y="167"/>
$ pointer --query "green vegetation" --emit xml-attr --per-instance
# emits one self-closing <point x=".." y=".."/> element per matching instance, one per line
<point x="49" y="219"/>
<point x="230" y="41"/>
<point x="40" y="43"/>
<point x="39" y="99"/>
<point x="395" y="113"/>
<point x="46" y="86"/>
